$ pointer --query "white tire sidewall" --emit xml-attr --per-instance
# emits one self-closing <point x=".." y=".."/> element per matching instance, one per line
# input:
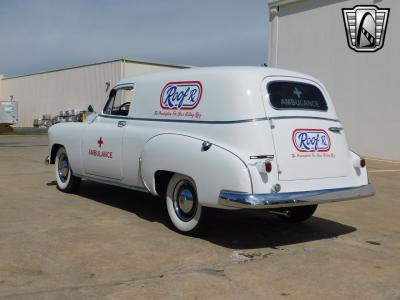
<point x="178" y="223"/>
<point x="62" y="185"/>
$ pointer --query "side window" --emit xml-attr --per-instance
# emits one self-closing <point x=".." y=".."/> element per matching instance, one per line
<point x="119" y="101"/>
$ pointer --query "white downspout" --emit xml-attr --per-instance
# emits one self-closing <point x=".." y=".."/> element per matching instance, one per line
<point x="274" y="36"/>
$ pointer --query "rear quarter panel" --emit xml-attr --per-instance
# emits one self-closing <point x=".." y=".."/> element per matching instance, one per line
<point x="212" y="170"/>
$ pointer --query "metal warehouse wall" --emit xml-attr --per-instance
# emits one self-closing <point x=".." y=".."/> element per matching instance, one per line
<point x="1" y="85"/>
<point x="50" y="92"/>
<point x="309" y="36"/>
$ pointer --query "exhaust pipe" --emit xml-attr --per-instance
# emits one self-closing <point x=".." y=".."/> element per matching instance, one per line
<point x="47" y="160"/>
<point x="284" y="213"/>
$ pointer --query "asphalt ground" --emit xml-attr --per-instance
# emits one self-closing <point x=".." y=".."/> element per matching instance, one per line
<point x="111" y="243"/>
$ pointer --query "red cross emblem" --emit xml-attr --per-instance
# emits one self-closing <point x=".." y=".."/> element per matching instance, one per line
<point x="100" y="142"/>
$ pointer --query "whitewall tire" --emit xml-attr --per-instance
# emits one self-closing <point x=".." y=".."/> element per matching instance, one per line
<point x="184" y="210"/>
<point x="66" y="181"/>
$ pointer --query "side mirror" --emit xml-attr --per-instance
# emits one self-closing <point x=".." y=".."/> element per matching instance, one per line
<point x="90" y="108"/>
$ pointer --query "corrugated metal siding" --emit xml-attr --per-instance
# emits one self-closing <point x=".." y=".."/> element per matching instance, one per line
<point x="1" y="88"/>
<point x="48" y="93"/>
<point x="51" y="92"/>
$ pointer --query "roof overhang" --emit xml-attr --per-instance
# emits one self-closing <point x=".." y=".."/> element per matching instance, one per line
<point x="276" y="3"/>
<point x="147" y="62"/>
<point x="141" y="62"/>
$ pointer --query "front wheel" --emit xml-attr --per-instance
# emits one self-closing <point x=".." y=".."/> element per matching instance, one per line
<point x="298" y="214"/>
<point x="66" y="181"/>
<point x="184" y="210"/>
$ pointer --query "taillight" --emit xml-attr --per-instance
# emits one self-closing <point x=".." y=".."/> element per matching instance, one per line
<point x="362" y="163"/>
<point x="268" y="167"/>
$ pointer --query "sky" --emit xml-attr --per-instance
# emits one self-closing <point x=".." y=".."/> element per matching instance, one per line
<point x="40" y="35"/>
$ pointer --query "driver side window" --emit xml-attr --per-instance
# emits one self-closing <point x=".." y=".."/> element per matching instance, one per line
<point x="119" y="101"/>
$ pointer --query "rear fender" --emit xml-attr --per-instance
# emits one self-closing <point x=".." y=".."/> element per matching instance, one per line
<point x="212" y="170"/>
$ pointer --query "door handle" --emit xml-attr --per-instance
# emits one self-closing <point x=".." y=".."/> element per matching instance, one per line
<point x="121" y="123"/>
<point x="335" y="129"/>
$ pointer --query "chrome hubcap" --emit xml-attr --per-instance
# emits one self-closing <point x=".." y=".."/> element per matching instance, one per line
<point x="185" y="200"/>
<point x="63" y="167"/>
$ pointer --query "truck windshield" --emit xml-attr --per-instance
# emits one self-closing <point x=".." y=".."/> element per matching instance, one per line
<point x="296" y="95"/>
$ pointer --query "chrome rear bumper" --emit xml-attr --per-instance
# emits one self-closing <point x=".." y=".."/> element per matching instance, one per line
<point x="276" y="200"/>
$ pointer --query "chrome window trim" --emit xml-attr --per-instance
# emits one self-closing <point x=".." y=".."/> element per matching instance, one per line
<point x="117" y="87"/>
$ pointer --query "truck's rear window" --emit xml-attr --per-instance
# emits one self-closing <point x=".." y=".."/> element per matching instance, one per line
<point x="296" y="95"/>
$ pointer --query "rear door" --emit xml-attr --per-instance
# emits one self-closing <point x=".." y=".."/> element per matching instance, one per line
<point x="309" y="140"/>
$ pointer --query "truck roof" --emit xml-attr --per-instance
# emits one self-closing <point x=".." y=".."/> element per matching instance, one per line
<point x="220" y="94"/>
<point x="227" y="72"/>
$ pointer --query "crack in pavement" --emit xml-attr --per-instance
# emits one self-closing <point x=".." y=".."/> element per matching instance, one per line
<point x="213" y="270"/>
<point x="216" y="270"/>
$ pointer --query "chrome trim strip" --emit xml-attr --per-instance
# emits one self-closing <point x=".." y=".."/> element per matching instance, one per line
<point x="303" y="117"/>
<point x="262" y="156"/>
<point x="114" y="117"/>
<point x="263" y="201"/>
<point x="111" y="182"/>
<point x="216" y="122"/>
<point x="185" y="121"/>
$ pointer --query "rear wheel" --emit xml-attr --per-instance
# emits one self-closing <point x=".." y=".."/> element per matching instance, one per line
<point x="184" y="210"/>
<point x="297" y="214"/>
<point x="66" y="181"/>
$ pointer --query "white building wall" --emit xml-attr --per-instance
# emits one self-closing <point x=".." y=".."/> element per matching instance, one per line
<point x="309" y="36"/>
<point x="50" y="92"/>
<point x="1" y="85"/>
